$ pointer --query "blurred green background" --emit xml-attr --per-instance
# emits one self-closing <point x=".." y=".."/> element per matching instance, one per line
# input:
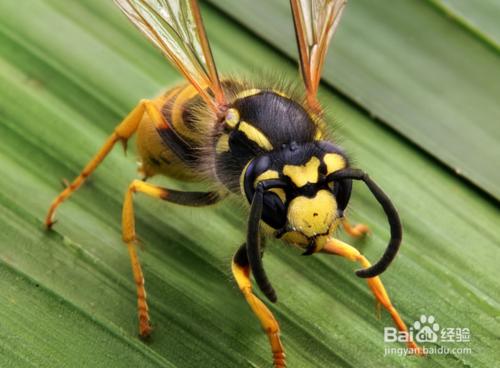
<point x="413" y="87"/>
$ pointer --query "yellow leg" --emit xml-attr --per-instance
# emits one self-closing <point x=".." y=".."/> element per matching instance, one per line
<point x="129" y="237"/>
<point x="267" y="320"/>
<point x="122" y="133"/>
<point x="337" y="247"/>
<point x="355" y="231"/>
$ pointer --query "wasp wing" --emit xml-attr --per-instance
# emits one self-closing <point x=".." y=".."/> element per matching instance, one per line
<point x="176" y="28"/>
<point x="315" y="23"/>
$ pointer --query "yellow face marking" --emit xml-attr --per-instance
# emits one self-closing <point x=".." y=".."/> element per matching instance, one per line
<point x="222" y="144"/>
<point x="303" y="174"/>
<point x="266" y="175"/>
<point x="255" y="135"/>
<point x="333" y="162"/>
<point x="232" y="117"/>
<point x="312" y="216"/>
<point x="271" y="174"/>
<point x="248" y="93"/>
<point x="280" y="193"/>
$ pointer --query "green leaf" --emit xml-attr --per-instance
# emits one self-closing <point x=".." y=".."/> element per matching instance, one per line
<point x="480" y="17"/>
<point x="69" y="71"/>
<point x="411" y="67"/>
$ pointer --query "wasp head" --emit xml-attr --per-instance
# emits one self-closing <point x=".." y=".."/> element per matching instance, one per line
<point x="301" y="204"/>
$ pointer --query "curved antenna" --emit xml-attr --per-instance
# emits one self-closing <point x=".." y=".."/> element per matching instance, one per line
<point x="254" y="252"/>
<point x="392" y="218"/>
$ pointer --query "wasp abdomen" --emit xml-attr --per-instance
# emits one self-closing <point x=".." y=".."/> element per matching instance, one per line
<point x="173" y="148"/>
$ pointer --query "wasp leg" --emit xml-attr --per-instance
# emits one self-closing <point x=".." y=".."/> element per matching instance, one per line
<point x="355" y="231"/>
<point x="121" y="133"/>
<point x="129" y="236"/>
<point x="337" y="247"/>
<point x="241" y="272"/>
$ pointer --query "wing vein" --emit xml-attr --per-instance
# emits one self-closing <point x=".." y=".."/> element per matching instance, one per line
<point x="315" y="22"/>
<point x="176" y="28"/>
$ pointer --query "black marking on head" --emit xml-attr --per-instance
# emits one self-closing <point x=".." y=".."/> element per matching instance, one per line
<point x="294" y="154"/>
<point x="310" y="249"/>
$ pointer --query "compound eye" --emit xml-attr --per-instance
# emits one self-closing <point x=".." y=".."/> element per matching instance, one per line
<point x="274" y="211"/>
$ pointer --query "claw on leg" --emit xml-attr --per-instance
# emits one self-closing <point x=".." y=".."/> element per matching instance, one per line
<point x="142" y="305"/>
<point x="122" y="133"/>
<point x="338" y="247"/>
<point x="269" y="324"/>
<point x="130" y="238"/>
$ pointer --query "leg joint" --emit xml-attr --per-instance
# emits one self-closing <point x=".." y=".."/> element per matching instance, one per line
<point x="133" y="186"/>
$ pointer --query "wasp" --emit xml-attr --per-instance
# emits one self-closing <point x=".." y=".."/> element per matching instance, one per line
<point x="266" y="142"/>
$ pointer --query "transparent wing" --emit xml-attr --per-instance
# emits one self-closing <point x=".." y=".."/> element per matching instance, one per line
<point x="176" y="28"/>
<point x="315" y="23"/>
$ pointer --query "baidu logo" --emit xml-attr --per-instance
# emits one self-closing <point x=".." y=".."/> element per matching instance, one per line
<point x="427" y="330"/>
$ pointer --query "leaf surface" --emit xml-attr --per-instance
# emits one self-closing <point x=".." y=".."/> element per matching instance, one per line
<point x="69" y="71"/>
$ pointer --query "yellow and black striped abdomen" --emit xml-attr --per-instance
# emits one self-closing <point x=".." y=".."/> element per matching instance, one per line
<point x="172" y="147"/>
